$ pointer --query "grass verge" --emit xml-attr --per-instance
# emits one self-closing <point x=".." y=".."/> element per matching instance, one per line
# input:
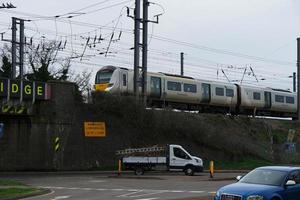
<point x="247" y="164"/>
<point x="10" y="189"/>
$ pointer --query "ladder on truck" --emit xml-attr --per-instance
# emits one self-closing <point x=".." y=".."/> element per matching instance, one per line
<point x="140" y="150"/>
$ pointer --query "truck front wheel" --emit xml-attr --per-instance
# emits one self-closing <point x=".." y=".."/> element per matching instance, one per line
<point x="189" y="171"/>
<point x="139" y="171"/>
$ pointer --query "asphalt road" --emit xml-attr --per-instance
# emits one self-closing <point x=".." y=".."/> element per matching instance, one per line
<point x="129" y="187"/>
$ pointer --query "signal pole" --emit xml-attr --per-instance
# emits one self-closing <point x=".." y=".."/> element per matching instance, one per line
<point x="137" y="21"/>
<point x="298" y="78"/>
<point x="145" y="50"/>
<point x="14" y="43"/>
<point x="14" y="47"/>
<point x="181" y="63"/>
<point x="21" y="49"/>
<point x="294" y="81"/>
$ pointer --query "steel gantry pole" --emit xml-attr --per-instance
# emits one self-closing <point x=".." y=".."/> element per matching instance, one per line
<point x="181" y="63"/>
<point x="137" y="21"/>
<point x="298" y="77"/>
<point x="294" y="82"/>
<point x="14" y="48"/>
<point x="145" y="50"/>
<point x="21" y="49"/>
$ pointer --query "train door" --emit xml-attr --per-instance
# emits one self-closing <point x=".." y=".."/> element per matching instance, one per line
<point x="268" y="100"/>
<point x="205" y="92"/>
<point x="155" y="87"/>
<point x="124" y="82"/>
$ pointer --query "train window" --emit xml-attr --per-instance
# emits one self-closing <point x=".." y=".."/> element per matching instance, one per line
<point x="229" y="93"/>
<point x="175" y="86"/>
<point x="219" y="91"/>
<point x="103" y="77"/>
<point x="279" y="98"/>
<point x="290" y="100"/>
<point x="190" y="88"/>
<point x="256" y="95"/>
<point x="124" y="80"/>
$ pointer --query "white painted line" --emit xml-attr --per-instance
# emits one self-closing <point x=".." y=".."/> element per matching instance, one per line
<point x="74" y="188"/>
<point x="117" y="189"/>
<point x="212" y="192"/>
<point x="146" y="194"/>
<point x="148" y="198"/>
<point x="176" y="191"/>
<point x="196" y="191"/>
<point x="101" y="189"/>
<point x="97" y="181"/>
<point x="128" y="194"/>
<point x="60" y="197"/>
<point x="132" y="190"/>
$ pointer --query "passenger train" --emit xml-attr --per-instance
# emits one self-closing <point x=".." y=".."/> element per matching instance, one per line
<point x="204" y="95"/>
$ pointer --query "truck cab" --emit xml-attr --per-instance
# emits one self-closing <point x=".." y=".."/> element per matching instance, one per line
<point x="180" y="160"/>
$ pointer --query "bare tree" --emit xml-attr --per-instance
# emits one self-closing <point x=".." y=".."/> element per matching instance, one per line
<point x="82" y="81"/>
<point x="44" y="63"/>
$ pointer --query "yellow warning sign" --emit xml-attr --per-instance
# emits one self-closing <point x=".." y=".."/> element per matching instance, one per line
<point x="94" y="129"/>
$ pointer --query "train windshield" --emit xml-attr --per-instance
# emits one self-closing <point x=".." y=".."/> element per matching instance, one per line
<point x="103" y="77"/>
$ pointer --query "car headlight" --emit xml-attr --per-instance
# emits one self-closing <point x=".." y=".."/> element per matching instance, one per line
<point x="199" y="161"/>
<point x="218" y="194"/>
<point x="255" y="197"/>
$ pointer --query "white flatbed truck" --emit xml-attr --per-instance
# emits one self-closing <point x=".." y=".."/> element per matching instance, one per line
<point x="174" y="158"/>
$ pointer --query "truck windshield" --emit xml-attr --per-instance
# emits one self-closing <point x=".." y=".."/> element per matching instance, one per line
<point x="180" y="154"/>
<point x="264" y="177"/>
<point x="103" y="77"/>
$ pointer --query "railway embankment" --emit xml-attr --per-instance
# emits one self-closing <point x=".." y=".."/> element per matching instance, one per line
<point x="29" y="142"/>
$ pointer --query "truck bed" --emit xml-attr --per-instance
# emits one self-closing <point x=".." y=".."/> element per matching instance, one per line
<point x="144" y="160"/>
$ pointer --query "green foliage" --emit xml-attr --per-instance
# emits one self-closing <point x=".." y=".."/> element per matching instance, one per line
<point x="13" y="189"/>
<point x="16" y="192"/>
<point x="6" y="67"/>
<point x="7" y="182"/>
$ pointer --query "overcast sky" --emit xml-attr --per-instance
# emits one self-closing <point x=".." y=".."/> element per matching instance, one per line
<point x="215" y="35"/>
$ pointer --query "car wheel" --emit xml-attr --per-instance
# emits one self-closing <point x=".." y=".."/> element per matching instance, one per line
<point x="189" y="171"/>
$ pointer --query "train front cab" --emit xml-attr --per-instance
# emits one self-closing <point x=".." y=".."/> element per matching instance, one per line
<point x="103" y="78"/>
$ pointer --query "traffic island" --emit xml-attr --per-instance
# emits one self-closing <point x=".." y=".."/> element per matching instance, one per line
<point x="10" y="190"/>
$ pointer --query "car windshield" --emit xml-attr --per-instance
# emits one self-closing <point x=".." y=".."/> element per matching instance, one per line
<point x="264" y="177"/>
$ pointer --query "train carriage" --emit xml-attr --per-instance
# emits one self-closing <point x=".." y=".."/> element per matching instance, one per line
<point x="204" y="95"/>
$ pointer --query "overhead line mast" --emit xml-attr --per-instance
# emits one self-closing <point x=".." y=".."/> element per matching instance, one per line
<point x="298" y="78"/>
<point x="137" y="81"/>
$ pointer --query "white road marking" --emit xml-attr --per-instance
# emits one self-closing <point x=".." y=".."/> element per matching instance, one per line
<point x="196" y="191"/>
<point x="177" y="191"/>
<point x="148" y="198"/>
<point x="97" y="181"/>
<point x="100" y="189"/>
<point x="117" y="189"/>
<point x="131" y="191"/>
<point x="128" y="194"/>
<point x="74" y="188"/>
<point x="60" y="197"/>
<point x="146" y="194"/>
